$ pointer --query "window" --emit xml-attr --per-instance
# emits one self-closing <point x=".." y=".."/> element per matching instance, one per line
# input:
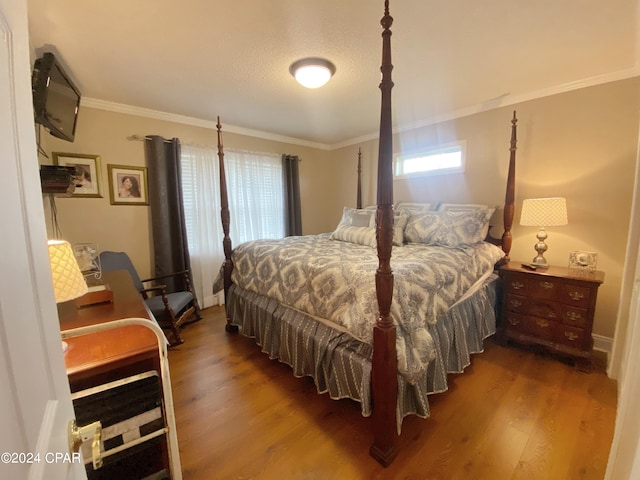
<point x="256" y="195"/>
<point x="256" y="201"/>
<point x="436" y="161"/>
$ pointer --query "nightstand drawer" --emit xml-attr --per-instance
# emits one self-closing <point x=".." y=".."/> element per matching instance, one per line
<point x="570" y="336"/>
<point x="514" y="321"/>
<point x="540" y="327"/>
<point x="549" y="310"/>
<point x="516" y="303"/>
<point x="516" y="284"/>
<point x="575" y="295"/>
<point x="577" y="317"/>
<point x="545" y="288"/>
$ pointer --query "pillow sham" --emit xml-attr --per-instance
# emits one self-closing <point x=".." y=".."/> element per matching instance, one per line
<point x="408" y="208"/>
<point x="353" y="217"/>
<point x="358" y="226"/>
<point x="449" y="229"/>
<point x="359" y="235"/>
<point x="461" y="207"/>
<point x="399" y="224"/>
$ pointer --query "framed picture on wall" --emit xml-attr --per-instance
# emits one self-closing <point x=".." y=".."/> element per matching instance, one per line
<point x="88" y="172"/>
<point x="128" y="185"/>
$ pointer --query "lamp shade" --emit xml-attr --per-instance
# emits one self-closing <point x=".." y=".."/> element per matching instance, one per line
<point x="544" y="212"/>
<point x="68" y="281"/>
<point x="312" y="72"/>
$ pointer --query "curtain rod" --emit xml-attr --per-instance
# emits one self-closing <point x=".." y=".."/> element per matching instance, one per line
<point x="142" y="138"/>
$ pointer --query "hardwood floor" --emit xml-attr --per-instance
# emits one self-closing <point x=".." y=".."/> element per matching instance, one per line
<point x="513" y="414"/>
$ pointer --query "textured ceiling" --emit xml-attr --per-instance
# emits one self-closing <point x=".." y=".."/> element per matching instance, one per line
<point x="204" y="58"/>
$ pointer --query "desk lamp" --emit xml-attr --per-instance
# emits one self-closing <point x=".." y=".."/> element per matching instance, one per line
<point x="68" y="281"/>
<point x="543" y="212"/>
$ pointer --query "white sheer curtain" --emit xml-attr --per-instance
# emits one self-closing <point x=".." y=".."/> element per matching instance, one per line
<point x="256" y="203"/>
<point x="201" y="198"/>
<point x="256" y="195"/>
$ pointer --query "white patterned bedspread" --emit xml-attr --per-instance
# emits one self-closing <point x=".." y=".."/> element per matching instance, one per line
<point x="335" y="280"/>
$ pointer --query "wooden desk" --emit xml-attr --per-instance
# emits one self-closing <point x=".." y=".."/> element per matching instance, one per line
<point x="96" y="359"/>
<point x="109" y="351"/>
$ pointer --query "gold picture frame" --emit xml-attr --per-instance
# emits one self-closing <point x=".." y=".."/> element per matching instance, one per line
<point x="128" y="185"/>
<point x="88" y="170"/>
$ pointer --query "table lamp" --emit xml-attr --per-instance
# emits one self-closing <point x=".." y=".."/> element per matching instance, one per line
<point x="543" y="212"/>
<point x="68" y="281"/>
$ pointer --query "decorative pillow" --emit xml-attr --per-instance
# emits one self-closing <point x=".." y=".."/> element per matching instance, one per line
<point x="409" y="208"/>
<point x="461" y="207"/>
<point x="360" y="235"/>
<point x="450" y="229"/>
<point x="353" y="217"/>
<point x="399" y="224"/>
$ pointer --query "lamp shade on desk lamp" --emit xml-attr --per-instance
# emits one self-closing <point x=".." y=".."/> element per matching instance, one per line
<point x="543" y="212"/>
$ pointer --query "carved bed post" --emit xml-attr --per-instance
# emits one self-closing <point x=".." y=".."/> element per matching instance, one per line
<point x="384" y="363"/>
<point x="509" y="201"/>
<point x="359" y="192"/>
<point x="226" y="221"/>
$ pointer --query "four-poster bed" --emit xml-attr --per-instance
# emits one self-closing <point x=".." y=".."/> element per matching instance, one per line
<point x="427" y="325"/>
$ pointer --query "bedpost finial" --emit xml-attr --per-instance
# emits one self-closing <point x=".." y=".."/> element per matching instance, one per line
<point x="387" y="20"/>
<point x="218" y="125"/>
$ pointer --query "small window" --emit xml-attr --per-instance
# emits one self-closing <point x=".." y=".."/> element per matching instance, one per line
<point x="437" y="161"/>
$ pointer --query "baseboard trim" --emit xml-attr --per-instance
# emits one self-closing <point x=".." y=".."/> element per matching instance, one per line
<point x="602" y="343"/>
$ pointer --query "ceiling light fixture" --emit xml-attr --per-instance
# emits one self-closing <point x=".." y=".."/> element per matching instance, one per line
<point x="312" y="72"/>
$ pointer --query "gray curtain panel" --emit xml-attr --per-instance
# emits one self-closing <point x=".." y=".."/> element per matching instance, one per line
<point x="170" y="249"/>
<point x="292" y="209"/>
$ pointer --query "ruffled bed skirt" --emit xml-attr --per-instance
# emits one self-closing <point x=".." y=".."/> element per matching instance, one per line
<point x="341" y="365"/>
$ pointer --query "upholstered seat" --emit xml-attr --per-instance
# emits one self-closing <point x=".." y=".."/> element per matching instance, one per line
<point x="170" y="309"/>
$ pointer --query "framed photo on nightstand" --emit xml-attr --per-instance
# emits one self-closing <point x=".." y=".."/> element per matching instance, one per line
<point x="586" y="261"/>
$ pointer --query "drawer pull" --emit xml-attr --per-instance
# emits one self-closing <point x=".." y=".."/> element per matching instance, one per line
<point x="516" y="303"/>
<point x="542" y="323"/>
<point x="571" y="336"/>
<point x="517" y="285"/>
<point x="574" y="316"/>
<point x="576" y="296"/>
<point x="546" y="285"/>
<point x="514" y="321"/>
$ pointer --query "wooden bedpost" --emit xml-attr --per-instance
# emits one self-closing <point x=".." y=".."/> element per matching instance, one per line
<point x="384" y="368"/>
<point x="226" y="221"/>
<point x="359" y="192"/>
<point x="509" y="201"/>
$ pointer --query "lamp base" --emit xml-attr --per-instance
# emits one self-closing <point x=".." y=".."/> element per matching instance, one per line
<point x="540" y="248"/>
<point x="540" y="262"/>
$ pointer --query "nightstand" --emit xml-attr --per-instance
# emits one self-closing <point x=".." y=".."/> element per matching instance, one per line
<point x="551" y="307"/>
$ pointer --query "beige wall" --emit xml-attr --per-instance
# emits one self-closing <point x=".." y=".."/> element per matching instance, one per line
<point x="580" y="145"/>
<point x="126" y="227"/>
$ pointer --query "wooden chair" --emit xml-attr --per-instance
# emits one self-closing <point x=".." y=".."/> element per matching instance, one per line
<point x="170" y="309"/>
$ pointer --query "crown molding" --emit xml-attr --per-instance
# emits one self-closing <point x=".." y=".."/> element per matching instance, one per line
<point x="502" y="101"/>
<point x="196" y="122"/>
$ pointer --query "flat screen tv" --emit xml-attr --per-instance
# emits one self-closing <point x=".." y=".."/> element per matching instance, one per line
<point x="55" y="98"/>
